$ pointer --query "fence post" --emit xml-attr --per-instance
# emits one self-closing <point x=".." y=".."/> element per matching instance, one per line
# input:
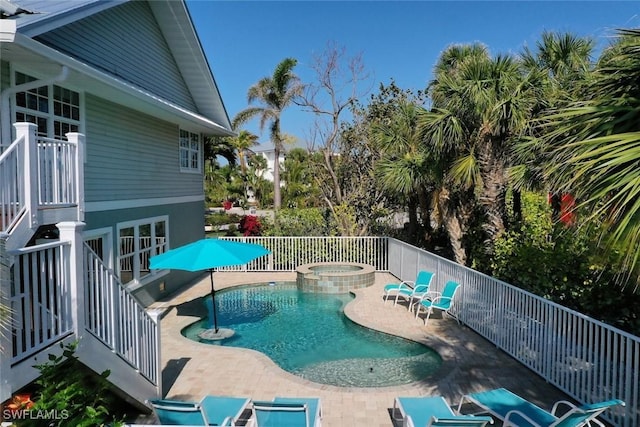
<point x="6" y="347"/>
<point x="78" y="139"/>
<point x="156" y="316"/>
<point x="72" y="232"/>
<point x="29" y="169"/>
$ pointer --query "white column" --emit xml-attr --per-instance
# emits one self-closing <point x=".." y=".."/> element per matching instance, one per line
<point x="79" y="140"/>
<point x="30" y="169"/>
<point x="72" y="232"/>
<point x="6" y="346"/>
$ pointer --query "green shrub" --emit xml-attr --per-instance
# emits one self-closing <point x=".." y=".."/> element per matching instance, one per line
<point x="298" y="222"/>
<point x="68" y="392"/>
<point x="564" y="265"/>
<point x="221" y="218"/>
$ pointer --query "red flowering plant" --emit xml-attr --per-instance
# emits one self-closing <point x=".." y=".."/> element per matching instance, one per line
<point x="227" y="204"/>
<point x="20" y="401"/>
<point x="250" y="226"/>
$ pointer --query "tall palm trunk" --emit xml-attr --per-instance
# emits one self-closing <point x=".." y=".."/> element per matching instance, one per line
<point x="454" y="223"/>
<point x="493" y="175"/>
<point x="412" y="229"/>
<point x="277" y="200"/>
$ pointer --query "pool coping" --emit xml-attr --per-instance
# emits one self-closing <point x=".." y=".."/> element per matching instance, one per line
<point x="443" y="349"/>
<point x="470" y="363"/>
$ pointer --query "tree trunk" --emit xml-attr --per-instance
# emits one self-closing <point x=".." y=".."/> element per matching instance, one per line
<point x="455" y="233"/>
<point x="276" y="176"/>
<point x="454" y="227"/>
<point x="493" y="196"/>
<point x="425" y="212"/>
<point x="517" y="206"/>
<point x="412" y="228"/>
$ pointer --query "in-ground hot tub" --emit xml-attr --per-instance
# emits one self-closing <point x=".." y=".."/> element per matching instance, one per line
<point x="334" y="277"/>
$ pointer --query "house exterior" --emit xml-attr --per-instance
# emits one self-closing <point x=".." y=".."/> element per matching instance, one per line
<point x="104" y="106"/>
<point x="269" y="154"/>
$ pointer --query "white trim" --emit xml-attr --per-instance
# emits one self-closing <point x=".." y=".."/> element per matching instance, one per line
<point x="137" y="284"/>
<point x="111" y="205"/>
<point x="189" y="151"/>
<point x="49" y="115"/>
<point x="117" y="90"/>
<point x="137" y="281"/>
<point x="107" y="249"/>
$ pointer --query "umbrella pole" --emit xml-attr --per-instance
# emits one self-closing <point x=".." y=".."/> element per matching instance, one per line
<point x="213" y="302"/>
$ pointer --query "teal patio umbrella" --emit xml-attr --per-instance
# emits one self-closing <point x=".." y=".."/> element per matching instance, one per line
<point x="207" y="255"/>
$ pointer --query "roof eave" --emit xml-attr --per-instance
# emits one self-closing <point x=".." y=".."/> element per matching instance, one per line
<point x="46" y="23"/>
<point x="154" y="103"/>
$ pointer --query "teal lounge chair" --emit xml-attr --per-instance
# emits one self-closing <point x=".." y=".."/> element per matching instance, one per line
<point x="432" y="412"/>
<point x="212" y="411"/>
<point x="287" y="412"/>
<point x="409" y="290"/>
<point x="439" y="301"/>
<point x="513" y="410"/>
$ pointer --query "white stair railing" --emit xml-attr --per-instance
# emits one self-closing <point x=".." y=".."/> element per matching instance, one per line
<point x="12" y="204"/>
<point x="40" y="173"/>
<point x="118" y="320"/>
<point x="17" y="178"/>
<point x="40" y="298"/>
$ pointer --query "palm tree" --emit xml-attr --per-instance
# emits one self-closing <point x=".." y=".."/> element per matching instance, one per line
<point x="597" y="154"/>
<point x="556" y="71"/>
<point x="214" y="147"/>
<point x="274" y="93"/>
<point x="405" y="166"/>
<point x="243" y="142"/>
<point x="480" y="105"/>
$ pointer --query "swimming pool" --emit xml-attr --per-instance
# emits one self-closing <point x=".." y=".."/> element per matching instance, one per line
<point x="308" y="335"/>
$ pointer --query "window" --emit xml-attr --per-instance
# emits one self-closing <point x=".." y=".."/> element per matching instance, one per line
<point x="189" y="151"/>
<point x="54" y="109"/>
<point x="138" y="242"/>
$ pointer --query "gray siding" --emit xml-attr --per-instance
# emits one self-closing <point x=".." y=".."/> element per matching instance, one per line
<point x="186" y="225"/>
<point x="132" y="156"/>
<point x="4" y="75"/>
<point x="127" y="42"/>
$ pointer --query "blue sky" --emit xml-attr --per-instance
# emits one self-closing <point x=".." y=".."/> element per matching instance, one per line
<point x="245" y="40"/>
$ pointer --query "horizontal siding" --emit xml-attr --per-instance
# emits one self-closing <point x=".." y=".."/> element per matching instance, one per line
<point x="4" y="75"/>
<point x="186" y="225"/>
<point x="125" y="41"/>
<point x="132" y="156"/>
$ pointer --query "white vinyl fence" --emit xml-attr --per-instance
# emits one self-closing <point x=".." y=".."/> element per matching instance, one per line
<point x="287" y="253"/>
<point x="585" y="358"/>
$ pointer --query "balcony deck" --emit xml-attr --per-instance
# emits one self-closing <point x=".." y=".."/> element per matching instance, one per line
<point x="470" y="363"/>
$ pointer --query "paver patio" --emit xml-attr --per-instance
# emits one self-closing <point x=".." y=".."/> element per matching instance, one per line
<point x="470" y="363"/>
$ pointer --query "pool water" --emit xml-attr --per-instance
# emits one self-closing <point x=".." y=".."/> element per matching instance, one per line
<point x="308" y="335"/>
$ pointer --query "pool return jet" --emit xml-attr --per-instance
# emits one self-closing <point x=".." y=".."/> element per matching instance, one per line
<point x="208" y="255"/>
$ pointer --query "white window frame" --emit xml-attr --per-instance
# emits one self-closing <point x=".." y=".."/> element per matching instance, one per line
<point x="50" y="116"/>
<point x="190" y="151"/>
<point x="107" y="234"/>
<point x="137" y="281"/>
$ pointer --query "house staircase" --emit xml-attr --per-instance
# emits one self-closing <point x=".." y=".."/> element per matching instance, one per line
<point x="60" y="291"/>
